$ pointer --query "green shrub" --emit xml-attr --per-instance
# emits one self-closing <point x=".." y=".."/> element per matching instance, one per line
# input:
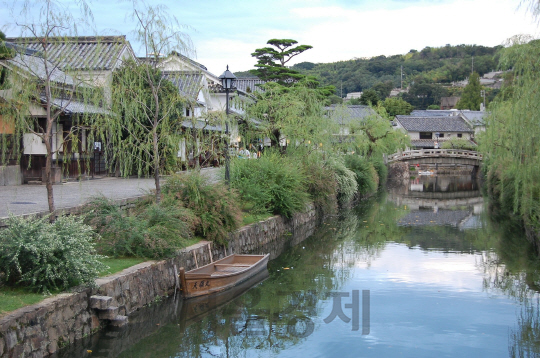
<point x="321" y="183"/>
<point x="272" y="183"/>
<point x="150" y="230"/>
<point x="49" y="256"/>
<point x="217" y="209"/>
<point x="366" y="175"/>
<point x="458" y="143"/>
<point x="345" y="178"/>
<point x="381" y="169"/>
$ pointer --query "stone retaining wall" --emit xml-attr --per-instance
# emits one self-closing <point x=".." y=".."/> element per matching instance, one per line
<point x="40" y="330"/>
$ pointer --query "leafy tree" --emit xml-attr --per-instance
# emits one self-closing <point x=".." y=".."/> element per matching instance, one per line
<point x="5" y="53"/>
<point x="510" y="143"/>
<point x="395" y="106"/>
<point x="471" y="98"/>
<point x="423" y="93"/>
<point x="147" y="106"/>
<point x="38" y="81"/>
<point x="295" y="113"/>
<point x="271" y="61"/>
<point x="370" y="98"/>
<point x="383" y="89"/>
<point x="458" y="143"/>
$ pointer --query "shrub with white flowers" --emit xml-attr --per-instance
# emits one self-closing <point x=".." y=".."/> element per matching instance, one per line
<point x="49" y="256"/>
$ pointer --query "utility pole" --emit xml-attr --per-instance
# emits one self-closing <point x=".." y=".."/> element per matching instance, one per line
<point x="472" y="65"/>
<point x="401" y="77"/>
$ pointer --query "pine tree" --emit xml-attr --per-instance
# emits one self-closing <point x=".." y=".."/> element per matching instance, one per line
<point x="471" y="98"/>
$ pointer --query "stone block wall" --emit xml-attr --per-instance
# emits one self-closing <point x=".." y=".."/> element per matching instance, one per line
<point x="40" y="330"/>
<point x="10" y="175"/>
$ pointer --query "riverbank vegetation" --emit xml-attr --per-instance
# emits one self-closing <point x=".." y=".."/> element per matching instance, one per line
<point x="510" y="143"/>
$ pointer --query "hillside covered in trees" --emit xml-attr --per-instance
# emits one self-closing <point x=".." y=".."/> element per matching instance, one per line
<point x="441" y="65"/>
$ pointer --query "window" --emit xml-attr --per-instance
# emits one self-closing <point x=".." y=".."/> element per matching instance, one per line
<point x="187" y="112"/>
<point x="441" y="135"/>
<point x="426" y="135"/>
<point x="459" y="135"/>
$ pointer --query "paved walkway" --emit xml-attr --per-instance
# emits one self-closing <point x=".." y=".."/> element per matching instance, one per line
<point x="32" y="199"/>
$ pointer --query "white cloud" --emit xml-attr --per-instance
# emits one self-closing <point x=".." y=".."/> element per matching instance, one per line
<point x="341" y="34"/>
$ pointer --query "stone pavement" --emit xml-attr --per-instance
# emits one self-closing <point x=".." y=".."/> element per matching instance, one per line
<point x="32" y="199"/>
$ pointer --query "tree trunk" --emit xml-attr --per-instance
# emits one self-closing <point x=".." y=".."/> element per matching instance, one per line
<point x="156" y="167"/>
<point x="274" y="138"/>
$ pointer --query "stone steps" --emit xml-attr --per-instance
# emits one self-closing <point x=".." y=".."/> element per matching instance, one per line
<point x="104" y="310"/>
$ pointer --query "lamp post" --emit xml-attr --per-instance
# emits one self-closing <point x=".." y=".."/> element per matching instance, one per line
<point x="227" y="80"/>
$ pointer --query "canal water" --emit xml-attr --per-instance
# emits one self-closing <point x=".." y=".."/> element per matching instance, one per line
<point x="419" y="271"/>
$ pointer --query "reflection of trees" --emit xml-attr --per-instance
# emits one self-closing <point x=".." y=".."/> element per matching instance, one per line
<point x="271" y="316"/>
<point x="525" y="339"/>
<point x="371" y="225"/>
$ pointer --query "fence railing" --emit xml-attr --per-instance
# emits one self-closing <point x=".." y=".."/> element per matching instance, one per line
<point x="430" y="153"/>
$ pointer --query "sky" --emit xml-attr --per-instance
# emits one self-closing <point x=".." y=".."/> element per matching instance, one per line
<point x="227" y="32"/>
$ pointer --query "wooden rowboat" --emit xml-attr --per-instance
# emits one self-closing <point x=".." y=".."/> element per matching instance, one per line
<point x="222" y="274"/>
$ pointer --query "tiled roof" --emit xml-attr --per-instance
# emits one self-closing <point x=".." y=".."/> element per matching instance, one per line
<point x="430" y="143"/>
<point x="434" y="113"/>
<point x="198" y="124"/>
<point x="189" y="83"/>
<point x="354" y="112"/>
<point x="80" y="53"/>
<point x="20" y="49"/>
<point x="249" y="82"/>
<point x="77" y="107"/>
<point x="433" y="124"/>
<point x="476" y="118"/>
<point x="35" y="66"/>
<point x="423" y="143"/>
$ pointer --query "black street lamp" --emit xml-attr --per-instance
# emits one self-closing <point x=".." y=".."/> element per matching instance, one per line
<point x="227" y="81"/>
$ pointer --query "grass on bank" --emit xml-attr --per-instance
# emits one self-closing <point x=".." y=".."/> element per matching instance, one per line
<point x="12" y="298"/>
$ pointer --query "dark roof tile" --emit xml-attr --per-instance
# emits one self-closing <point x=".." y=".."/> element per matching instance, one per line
<point x="434" y="124"/>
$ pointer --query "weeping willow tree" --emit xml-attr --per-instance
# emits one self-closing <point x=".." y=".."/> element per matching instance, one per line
<point x="369" y="135"/>
<point x="291" y="115"/>
<point x="36" y="93"/>
<point x="143" y="134"/>
<point x="512" y="138"/>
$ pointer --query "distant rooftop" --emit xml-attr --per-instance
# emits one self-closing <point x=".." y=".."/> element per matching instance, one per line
<point x="433" y="124"/>
<point x="352" y="112"/>
<point x="476" y="118"/>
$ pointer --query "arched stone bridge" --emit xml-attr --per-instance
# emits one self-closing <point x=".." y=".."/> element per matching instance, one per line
<point x="437" y="156"/>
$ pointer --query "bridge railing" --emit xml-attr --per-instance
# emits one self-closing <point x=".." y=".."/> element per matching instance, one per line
<point x="427" y="153"/>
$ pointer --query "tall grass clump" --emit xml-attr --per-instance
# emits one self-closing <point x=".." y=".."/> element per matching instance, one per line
<point x="273" y="184"/>
<point x="150" y="230"/>
<point x="366" y="175"/>
<point x="347" y="185"/>
<point x="381" y="169"/>
<point x="217" y="209"/>
<point x="48" y="256"/>
<point x="321" y="183"/>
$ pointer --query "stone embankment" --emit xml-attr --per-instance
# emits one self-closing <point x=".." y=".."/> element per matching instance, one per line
<point x="42" y="329"/>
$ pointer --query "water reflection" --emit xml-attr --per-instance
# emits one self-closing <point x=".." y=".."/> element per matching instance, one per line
<point x="444" y="281"/>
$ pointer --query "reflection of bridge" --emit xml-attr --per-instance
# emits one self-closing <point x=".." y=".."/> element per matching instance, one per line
<point x="417" y="201"/>
<point x="437" y="156"/>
